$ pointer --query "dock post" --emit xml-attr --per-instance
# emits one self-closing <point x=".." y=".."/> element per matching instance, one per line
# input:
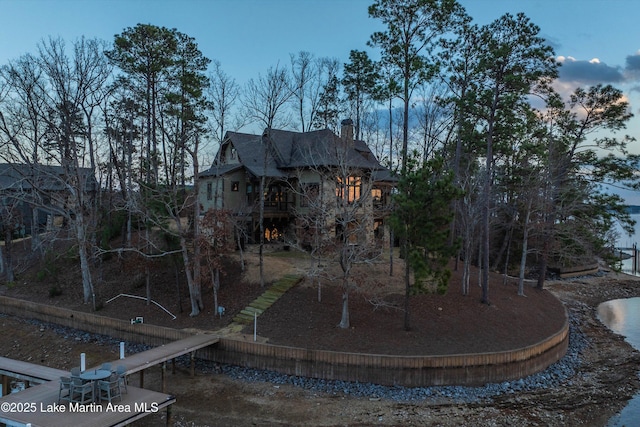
<point x="193" y="364"/>
<point x="5" y="385"/>
<point x="169" y="416"/>
<point x="164" y="376"/>
<point x="142" y="378"/>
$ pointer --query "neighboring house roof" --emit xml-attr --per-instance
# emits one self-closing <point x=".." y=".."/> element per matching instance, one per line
<point x="290" y="150"/>
<point x="18" y="176"/>
<point x="384" y="175"/>
<point x="217" y="170"/>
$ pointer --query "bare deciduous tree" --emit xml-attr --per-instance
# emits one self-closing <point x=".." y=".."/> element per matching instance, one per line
<point x="223" y="93"/>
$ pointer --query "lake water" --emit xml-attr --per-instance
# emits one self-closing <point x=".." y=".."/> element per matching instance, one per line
<point x="622" y="316"/>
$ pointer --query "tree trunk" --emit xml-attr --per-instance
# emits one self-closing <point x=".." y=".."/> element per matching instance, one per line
<point x="466" y="266"/>
<point x="542" y="266"/>
<point x="196" y="222"/>
<point x="344" y="321"/>
<point x="8" y="243"/>
<point x="1" y="260"/>
<point x="525" y="243"/>
<point x="390" y="251"/>
<point x="239" y="238"/>
<point x="507" y="256"/>
<point x="263" y="180"/>
<point x="485" y="245"/>
<point x="487" y="201"/>
<point x="195" y="292"/>
<point x="466" y="275"/>
<point x="480" y="261"/>
<point x="506" y="242"/>
<point x="261" y="224"/>
<point x="35" y="235"/>
<point x="147" y="273"/>
<point x="215" y="284"/>
<point x="87" y="283"/>
<point x="345" y="263"/>
<point x="407" y="286"/>
<point x="177" y="277"/>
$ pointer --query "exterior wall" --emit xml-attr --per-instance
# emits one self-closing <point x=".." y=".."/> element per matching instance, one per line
<point x="361" y="210"/>
<point x="305" y="178"/>
<point x="226" y="192"/>
<point x="235" y="191"/>
<point x="229" y="155"/>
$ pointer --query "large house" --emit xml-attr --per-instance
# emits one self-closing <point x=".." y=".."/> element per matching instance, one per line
<point x="299" y="169"/>
<point x="33" y="196"/>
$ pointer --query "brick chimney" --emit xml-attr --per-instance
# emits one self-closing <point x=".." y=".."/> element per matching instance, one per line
<point x="346" y="131"/>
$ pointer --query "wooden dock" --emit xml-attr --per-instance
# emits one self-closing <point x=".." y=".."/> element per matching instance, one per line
<point x="38" y="405"/>
<point x="25" y="371"/>
<point x="157" y="355"/>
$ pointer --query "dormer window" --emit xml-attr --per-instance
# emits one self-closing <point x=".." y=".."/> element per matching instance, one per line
<point x="233" y="154"/>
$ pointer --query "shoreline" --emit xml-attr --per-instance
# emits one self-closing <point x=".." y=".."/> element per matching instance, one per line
<point x="591" y="391"/>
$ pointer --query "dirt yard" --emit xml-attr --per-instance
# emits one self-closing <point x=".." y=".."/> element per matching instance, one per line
<point x="606" y="378"/>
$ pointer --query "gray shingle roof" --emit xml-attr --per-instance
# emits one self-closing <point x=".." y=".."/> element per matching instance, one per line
<point x="290" y="150"/>
<point x="17" y="176"/>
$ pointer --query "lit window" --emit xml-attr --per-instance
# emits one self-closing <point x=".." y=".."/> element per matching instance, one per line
<point x="376" y="195"/>
<point x="273" y="195"/>
<point x="349" y="190"/>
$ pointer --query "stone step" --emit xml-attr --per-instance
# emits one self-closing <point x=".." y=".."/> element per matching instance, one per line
<point x="280" y="288"/>
<point x="270" y="296"/>
<point x="261" y="305"/>
<point x="266" y="300"/>
<point x="250" y="311"/>
<point x="243" y="319"/>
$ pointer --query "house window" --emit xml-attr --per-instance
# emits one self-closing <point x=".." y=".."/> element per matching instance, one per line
<point x="209" y="190"/>
<point x="235" y="186"/>
<point x="349" y="190"/>
<point x="234" y="154"/>
<point x="376" y="195"/>
<point x="309" y="194"/>
<point x="273" y="195"/>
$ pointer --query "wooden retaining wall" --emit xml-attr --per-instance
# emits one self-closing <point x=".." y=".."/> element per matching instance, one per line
<point x="410" y="371"/>
<point x="119" y="329"/>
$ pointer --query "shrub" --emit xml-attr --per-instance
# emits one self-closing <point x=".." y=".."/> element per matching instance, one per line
<point x="55" y="291"/>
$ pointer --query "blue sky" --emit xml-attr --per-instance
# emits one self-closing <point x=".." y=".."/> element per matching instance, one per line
<point x="248" y="36"/>
<point x="598" y="39"/>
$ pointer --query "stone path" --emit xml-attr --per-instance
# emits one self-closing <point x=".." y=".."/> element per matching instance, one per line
<point x="261" y="304"/>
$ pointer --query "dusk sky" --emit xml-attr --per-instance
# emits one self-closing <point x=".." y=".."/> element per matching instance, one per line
<point x="597" y="40"/>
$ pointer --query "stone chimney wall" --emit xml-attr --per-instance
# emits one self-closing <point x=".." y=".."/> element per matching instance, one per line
<point x="346" y="131"/>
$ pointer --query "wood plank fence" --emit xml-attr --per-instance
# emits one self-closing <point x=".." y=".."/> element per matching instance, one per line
<point x="411" y="371"/>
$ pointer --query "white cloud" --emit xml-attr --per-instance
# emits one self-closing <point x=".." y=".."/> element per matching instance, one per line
<point x="589" y="72"/>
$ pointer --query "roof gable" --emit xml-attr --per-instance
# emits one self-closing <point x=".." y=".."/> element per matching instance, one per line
<point x="289" y="150"/>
